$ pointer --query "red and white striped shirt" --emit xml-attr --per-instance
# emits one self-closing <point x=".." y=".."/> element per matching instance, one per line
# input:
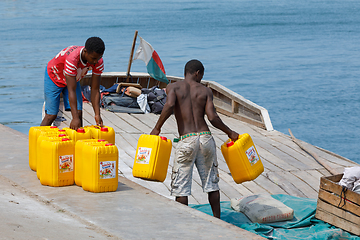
<point x="69" y="62"/>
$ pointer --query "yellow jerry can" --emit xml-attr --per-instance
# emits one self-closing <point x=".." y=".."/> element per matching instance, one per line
<point x="242" y="158"/>
<point x="57" y="162"/>
<point x="79" y="134"/>
<point x="105" y="132"/>
<point x="49" y="135"/>
<point x="78" y="168"/>
<point x="34" y="133"/>
<point x="100" y="168"/>
<point x="152" y="157"/>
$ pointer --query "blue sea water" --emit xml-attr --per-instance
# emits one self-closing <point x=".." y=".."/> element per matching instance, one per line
<point x="298" y="59"/>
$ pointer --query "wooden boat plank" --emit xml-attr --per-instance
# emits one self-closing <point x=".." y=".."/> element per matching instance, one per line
<point x="306" y="177"/>
<point x="133" y="122"/>
<point x="271" y="187"/>
<point x="110" y="117"/>
<point x="301" y="184"/>
<point x="301" y="156"/>
<point x="269" y="166"/>
<point x="279" y="179"/>
<point x="278" y="162"/>
<point x="243" y="191"/>
<point x="290" y="160"/>
<point x="333" y="159"/>
<point x="255" y="188"/>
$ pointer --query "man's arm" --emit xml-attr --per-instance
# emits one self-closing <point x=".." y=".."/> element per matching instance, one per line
<point x="71" y="86"/>
<point x="95" y="98"/>
<point x="215" y="120"/>
<point x="167" y="109"/>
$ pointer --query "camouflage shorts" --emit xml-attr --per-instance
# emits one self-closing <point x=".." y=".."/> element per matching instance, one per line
<point x="198" y="150"/>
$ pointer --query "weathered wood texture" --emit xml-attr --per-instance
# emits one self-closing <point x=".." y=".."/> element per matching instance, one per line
<point x="338" y="206"/>
<point x="288" y="169"/>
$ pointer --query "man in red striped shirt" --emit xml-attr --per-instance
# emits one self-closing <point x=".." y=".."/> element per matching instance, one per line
<point x="62" y="75"/>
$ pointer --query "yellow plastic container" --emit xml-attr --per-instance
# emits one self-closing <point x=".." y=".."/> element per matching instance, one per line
<point x="34" y="133"/>
<point x="152" y="157"/>
<point x="105" y="132"/>
<point x="78" y="168"/>
<point x="49" y="135"/>
<point x="242" y="158"/>
<point x="79" y="134"/>
<point x="100" y="169"/>
<point x="57" y="162"/>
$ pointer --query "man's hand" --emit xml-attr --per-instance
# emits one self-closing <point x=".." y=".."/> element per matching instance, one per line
<point x="98" y="120"/>
<point x="155" y="132"/>
<point x="233" y="136"/>
<point x="75" y="123"/>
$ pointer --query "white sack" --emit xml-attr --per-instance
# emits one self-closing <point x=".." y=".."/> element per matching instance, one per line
<point x="262" y="208"/>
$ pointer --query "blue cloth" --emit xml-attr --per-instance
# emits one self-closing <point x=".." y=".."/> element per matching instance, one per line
<point x="52" y="96"/>
<point x="304" y="225"/>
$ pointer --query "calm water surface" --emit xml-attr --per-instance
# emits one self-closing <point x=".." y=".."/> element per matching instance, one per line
<point x="298" y="59"/>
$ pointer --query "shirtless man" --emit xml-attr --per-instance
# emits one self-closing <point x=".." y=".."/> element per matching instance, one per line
<point x="190" y="101"/>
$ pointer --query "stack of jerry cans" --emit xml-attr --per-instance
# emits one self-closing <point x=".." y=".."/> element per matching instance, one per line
<point x="78" y="168"/>
<point x="152" y="157"/>
<point x="242" y="158"/>
<point x="105" y="132"/>
<point x="57" y="162"/>
<point x="47" y="135"/>
<point x="34" y="133"/>
<point x="79" y="134"/>
<point x="100" y="170"/>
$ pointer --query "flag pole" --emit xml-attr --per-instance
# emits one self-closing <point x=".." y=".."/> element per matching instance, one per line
<point x="131" y="56"/>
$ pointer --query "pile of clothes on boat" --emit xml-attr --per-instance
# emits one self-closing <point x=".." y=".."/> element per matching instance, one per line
<point x="129" y="98"/>
<point x="351" y="179"/>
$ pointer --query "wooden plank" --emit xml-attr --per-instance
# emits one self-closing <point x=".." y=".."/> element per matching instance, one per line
<point x="279" y="179"/>
<point x="290" y="160"/>
<point x="271" y="187"/>
<point x="255" y="188"/>
<point x="301" y="184"/>
<point x="144" y="129"/>
<point x="313" y="182"/>
<point x="336" y="201"/>
<point x="278" y="162"/>
<point x="338" y="217"/>
<point x="243" y="191"/>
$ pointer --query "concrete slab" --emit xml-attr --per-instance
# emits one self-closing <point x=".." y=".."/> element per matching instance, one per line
<point x="32" y="211"/>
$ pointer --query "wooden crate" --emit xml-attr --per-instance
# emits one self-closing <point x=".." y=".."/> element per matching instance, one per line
<point x="346" y="217"/>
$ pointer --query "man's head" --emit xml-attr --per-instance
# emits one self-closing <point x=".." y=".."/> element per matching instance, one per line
<point x="195" y="68"/>
<point x="94" y="50"/>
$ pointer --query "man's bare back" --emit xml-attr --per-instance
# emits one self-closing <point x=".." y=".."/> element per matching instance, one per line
<point x="190" y="101"/>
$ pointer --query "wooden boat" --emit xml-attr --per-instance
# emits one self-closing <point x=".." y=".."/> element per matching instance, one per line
<point x="288" y="168"/>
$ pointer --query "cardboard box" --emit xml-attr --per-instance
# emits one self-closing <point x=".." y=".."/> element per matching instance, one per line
<point x="338" y="207"/>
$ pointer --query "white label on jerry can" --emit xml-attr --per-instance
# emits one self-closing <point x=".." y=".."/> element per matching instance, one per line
<point x="66" y="163"/>
<point x="143" y="155"/>
<point x="252" y="155"/>
<point x="107" y="169"/>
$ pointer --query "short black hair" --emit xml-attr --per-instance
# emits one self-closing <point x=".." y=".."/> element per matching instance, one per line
<point x="95" y="44"/>
<point x="192" y="66"/>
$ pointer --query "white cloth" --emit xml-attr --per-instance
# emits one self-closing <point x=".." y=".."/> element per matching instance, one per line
<point x="143" y="104"/>
<point x="351" y="175"/>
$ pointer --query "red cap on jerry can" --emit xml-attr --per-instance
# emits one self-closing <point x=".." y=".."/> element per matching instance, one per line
<point x="65" y="139"/>
<point x="229" y="144"/>
<point x="104" y="129"/>
<point x="163" y="138"/>
<point x="80" y="130"/>
<point x="109" y="144"/>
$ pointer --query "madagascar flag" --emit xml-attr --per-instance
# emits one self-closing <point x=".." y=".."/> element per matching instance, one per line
<point x="152" y="60"/>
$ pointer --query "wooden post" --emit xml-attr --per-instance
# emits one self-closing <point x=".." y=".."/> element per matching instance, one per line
<point x="131" y="56"/>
